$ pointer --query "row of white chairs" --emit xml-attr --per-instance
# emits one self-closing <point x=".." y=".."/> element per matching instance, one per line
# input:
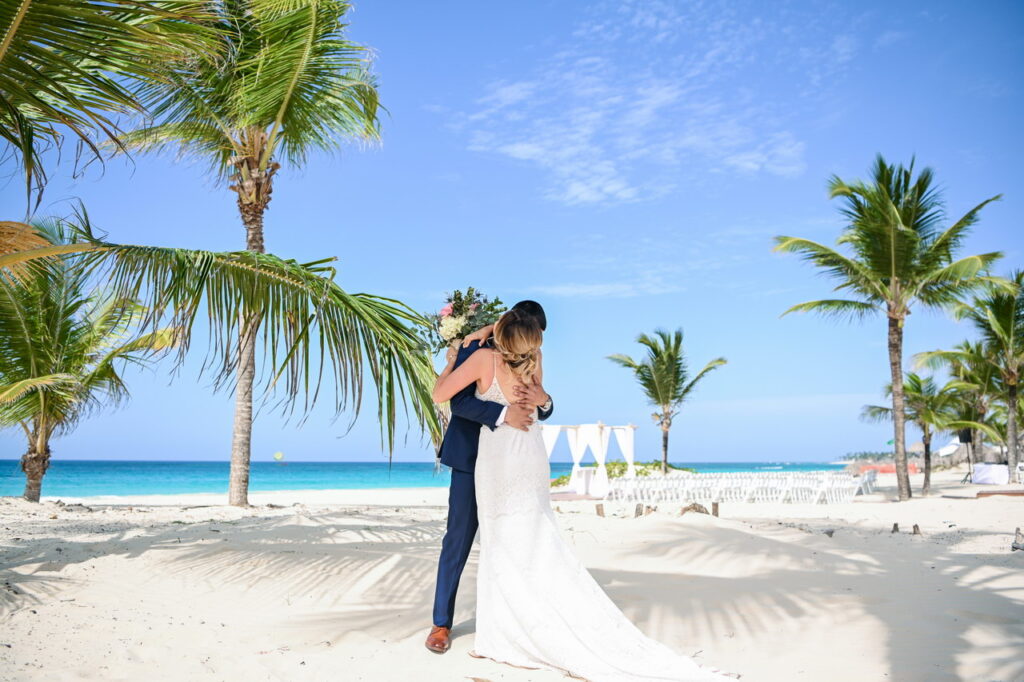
<point x="811" y="487"/>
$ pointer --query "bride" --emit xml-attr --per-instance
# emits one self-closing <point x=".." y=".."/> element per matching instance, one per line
<point x="537" y="606"/>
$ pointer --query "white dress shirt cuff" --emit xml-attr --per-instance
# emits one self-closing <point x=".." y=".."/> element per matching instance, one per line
<point x="501" y="417"/>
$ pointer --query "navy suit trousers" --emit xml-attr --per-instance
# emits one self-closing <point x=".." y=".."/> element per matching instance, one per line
<point x="458" y="541"/>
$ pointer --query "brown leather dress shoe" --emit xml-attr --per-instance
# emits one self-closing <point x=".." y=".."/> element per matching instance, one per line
<point x="439" y="639"/>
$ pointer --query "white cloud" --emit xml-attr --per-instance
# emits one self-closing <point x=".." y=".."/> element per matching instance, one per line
<point x="844" y="48"/>
<point x="889" y="38"/>
<point x="645" y="96"/>
<point x="780" y="155"/>
<point x="605" y="289"/>
<point x="501" y="96"/>
<point x="652" y="261"/>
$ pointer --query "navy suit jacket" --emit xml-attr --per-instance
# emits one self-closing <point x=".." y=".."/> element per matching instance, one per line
<point x="462" y="439"/>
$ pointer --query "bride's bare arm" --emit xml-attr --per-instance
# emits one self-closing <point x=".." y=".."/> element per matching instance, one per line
<point x="480" y="335"/>
<point x="452" y="380"/>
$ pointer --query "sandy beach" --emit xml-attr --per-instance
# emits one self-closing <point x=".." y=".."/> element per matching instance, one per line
<point x="317" y="585"/>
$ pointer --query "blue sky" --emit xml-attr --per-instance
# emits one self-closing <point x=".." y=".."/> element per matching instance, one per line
<point x="626" y="164"/>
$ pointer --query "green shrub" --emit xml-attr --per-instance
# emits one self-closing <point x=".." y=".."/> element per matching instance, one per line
<point x="618" y="469"/>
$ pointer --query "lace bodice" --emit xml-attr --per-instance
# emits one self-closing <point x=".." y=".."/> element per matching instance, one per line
<point x="493" y="394"/>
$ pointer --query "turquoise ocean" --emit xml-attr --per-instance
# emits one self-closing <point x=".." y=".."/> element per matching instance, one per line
<point x="86" y="478"/>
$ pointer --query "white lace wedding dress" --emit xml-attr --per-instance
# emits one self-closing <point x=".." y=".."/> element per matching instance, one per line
<point x="537" y="606"/>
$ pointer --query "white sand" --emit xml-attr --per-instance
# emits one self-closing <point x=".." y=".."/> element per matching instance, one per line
<point x="340" y="587"/>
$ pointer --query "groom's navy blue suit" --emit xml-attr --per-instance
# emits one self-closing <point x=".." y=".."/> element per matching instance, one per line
<point x="458" y="451"/>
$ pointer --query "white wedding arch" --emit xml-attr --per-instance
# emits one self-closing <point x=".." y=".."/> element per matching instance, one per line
<point x="594" y="437"/>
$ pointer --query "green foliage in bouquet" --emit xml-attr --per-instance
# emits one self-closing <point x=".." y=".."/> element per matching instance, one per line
<point x="461" y="315"/>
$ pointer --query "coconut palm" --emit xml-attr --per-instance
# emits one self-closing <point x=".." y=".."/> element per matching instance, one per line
<point x="998" y="316"/>
<point x="62" y="349"/>
<point x="977" y="387"/>
<point x="314" y="334"/>
<point x="929" y="406"/>
<point x="64" y="65"/>
<point x="665" y="379"/>
<point x="899" y="258"/>
<point x="289" y="83"/>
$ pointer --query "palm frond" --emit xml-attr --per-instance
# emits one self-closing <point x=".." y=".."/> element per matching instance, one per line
<point x="834" y="308"/>
<point x="63" y="65"/>
<point x="849" y="272"/>
<point x="311" y="330"/>
<point x="876" y="413"/>
<point x="48" y="382"/>
<point x="290" y="82"/>
<point x="708" y="368"/>
<point x="663" y="375"/>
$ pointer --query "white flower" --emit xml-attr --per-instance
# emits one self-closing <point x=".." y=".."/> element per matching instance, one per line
<point x="451" y="327"/>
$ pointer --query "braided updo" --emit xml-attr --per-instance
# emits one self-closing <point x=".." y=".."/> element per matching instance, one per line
<point x="517" y="337"/>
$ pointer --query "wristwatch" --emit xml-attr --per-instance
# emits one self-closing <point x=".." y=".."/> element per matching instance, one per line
<point x="547" y="405"/>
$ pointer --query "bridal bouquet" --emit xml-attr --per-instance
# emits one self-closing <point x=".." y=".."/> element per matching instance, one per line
<point x="461" y="315"/>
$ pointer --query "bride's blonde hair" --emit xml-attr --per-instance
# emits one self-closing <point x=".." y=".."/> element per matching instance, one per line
<point x="517" y="338"/>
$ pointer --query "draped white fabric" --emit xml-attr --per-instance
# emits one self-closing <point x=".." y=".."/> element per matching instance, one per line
<point x="577" y="448"/>
<point x="624" y="437"/>
<point x="550" y="434"/>
<point x="597" y="436"/>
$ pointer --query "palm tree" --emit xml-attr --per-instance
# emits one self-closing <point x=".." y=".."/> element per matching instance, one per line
<point x="289" y="83"/>
<point x="929" y="406"/>
<point x="900" y="259"/>
<point x="64" y="65"/>
<point x="61" y="351"/>
<point x="314" y="334"/>
<point x="998" y="316"/>
<point x="664" y="378"/>
<point x="976" y="386"/>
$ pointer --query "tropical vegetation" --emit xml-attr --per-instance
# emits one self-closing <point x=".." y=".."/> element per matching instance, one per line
<point x="63" y="348"/>
<point x="664" y="378"/>
<point x="287" y="82"/>
<point x="997" y="315"/>
<point x="618" y="469"/>
<point x="894" y="256"/>
<point x="867" y="456"/>
<point x="73" y="67"/>
<point x="66" y="67"/>
<point x="315" y="335"/>
<point x="929" y="406"/>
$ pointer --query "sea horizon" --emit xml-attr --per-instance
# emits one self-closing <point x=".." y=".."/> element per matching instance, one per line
<point x="101" y="477"/>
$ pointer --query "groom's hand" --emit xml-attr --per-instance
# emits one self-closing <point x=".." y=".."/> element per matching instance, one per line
<point x="519" y="416"/>
<point x="531" y="394"/>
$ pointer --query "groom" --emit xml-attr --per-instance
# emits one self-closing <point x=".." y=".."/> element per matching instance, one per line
<point x="458" y="451"/>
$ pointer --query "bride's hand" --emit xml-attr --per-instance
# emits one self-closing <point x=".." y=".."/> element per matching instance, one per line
<point x="479" y="335"/>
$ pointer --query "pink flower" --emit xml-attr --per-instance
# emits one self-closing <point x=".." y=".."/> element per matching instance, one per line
<point x="474" y="307"/>
<point x="447" y="310"/>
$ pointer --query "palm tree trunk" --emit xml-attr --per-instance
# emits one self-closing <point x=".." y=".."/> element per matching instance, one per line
<point x="972" y="454"/>
<point x="664" y="450"/>
<point x="1011" y="429"/>
<point x="34" y="463"/>
<point x="241" y="434"/>
<point x="898" y="414"/>
<point x="927" y="440"/>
